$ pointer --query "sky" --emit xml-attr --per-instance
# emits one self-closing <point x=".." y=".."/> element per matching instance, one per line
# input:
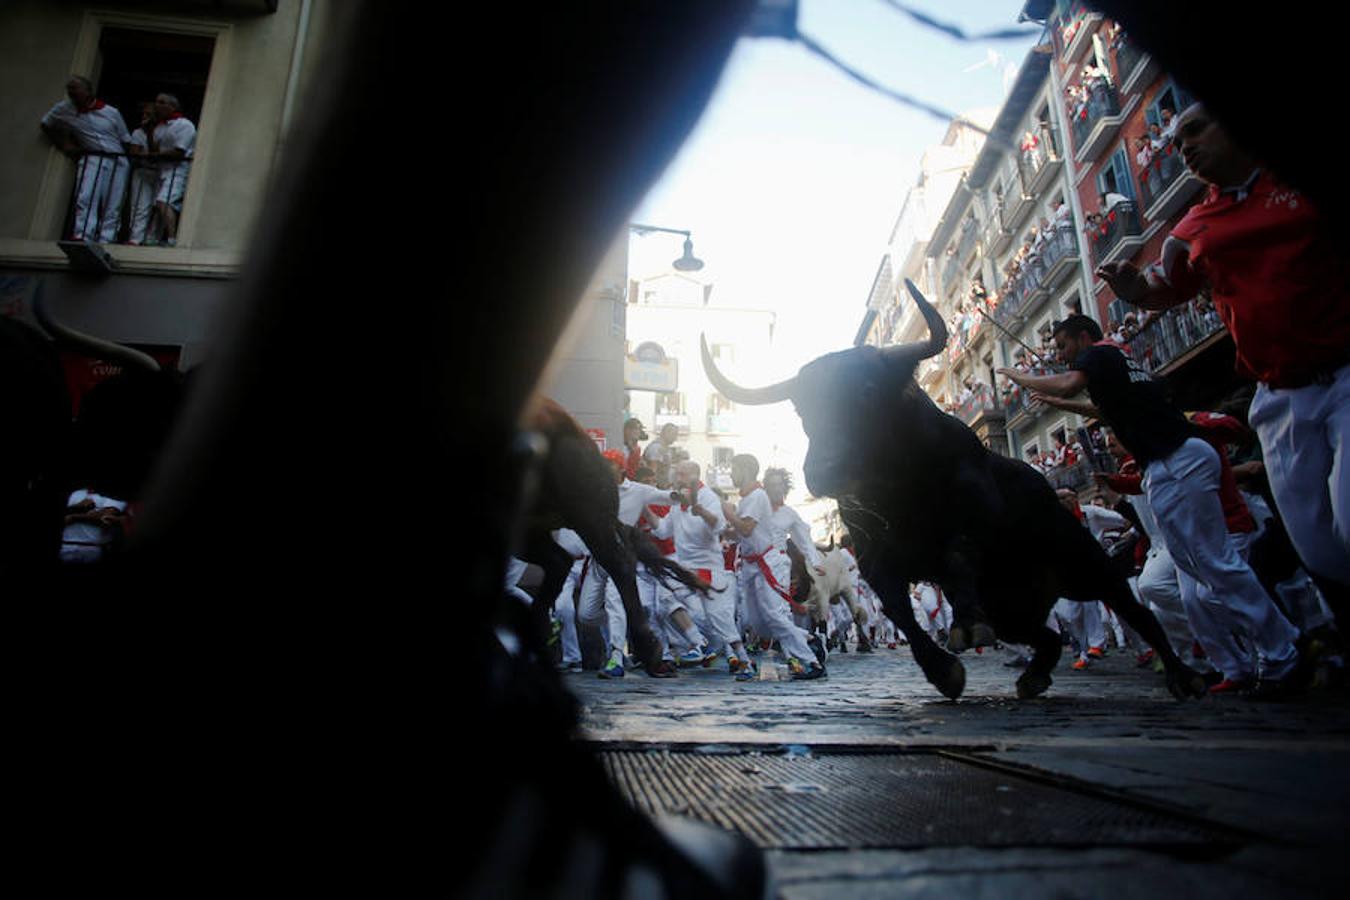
<point x="793" y="178"/>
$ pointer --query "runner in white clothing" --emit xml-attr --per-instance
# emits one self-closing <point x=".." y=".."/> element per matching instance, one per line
<point x="695" y="525"/>
<point x="764" y="570"/>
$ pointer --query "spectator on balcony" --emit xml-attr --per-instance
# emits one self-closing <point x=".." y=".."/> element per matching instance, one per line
<point x="174" y="139"/>
<point x="1169" y="124"/>
<point x="1155" y="138"/>
<point x="144" y="180"/>
<point x="1110" y="200"/>
<point x="1028" y="148"/>
<point x="1143" y="152"/>
<point x="660" y="453"/>
<point x="1182" y="476"/>
<point x="1281" y="283"/>
<point x="94" y="134"/>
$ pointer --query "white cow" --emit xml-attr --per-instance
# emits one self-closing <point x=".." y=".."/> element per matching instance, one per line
<point x="837" y="584"/>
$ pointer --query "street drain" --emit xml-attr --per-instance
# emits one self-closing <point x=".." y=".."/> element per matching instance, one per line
<point x="843" y="800"/>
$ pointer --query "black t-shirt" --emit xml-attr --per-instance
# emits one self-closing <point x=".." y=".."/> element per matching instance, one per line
<point x="1132" y="403"/>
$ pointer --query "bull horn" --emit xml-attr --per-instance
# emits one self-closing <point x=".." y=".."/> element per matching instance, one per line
<point x="89" y="345"/>
<point x="774" y="393"/>
<point x="937" y="333"/>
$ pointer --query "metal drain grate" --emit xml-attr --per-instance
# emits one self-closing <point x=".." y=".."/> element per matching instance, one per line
<point x="888" y="800"/>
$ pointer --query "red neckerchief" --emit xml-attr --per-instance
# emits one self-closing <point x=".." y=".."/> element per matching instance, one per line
<point x="176" y="115"/>
<point x="95" y="104"/>
<point x="1107" y="342"/>
<point x="750" y="489"/>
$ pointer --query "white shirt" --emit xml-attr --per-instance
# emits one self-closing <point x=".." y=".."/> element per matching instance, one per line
<point x="176" y="134"/>
<point x="570" y="541"/>
<point x="696" y="545"/>
<point x="84" y="533"/>
<point x="1100" y="520"/>
<point x="100" y="130"/>
<point x="1113" y="200"/>
<point x="756" y="506"/>
<point x="634" y="496"/>
<point x="786" y="523"/>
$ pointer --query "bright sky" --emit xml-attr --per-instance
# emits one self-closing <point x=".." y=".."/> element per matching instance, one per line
<point x="794" y="177"/>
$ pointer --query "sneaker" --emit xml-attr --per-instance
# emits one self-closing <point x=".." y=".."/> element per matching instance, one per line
<point x="665" y="669"/>
<point x="1144" y="659"/>
<point x="748" y="671"/>
<point x="694" y="656"/>
<point x="710" y="659"/>
<point x="817" y="648"/>
<point x="613" y="668"/>
<point x="1080" y="665"/>
<point x="569" y="666"/>
<point x="891" y="645"/>
<point x="1096" y="652"/>
<point x="735" y="664"/>
<point x="1232" y="686"/>
<point x="1020" y="661"/>
<point x="805" y="673"/>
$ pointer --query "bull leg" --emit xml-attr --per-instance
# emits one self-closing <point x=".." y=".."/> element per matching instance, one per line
<point x="943" y="670"/>
<point x="1046" y="649"/>
<point x="543" y="551"/>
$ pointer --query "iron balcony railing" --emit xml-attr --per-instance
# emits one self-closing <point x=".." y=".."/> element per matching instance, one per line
<point x="1160" y="174"/>
<point x="1128" y="58"/>
<point x="1102" y="100"/>
<point x="1044" y="150"/>
<point x="1075" y="477"/>
<point x="1166" y="337"/>
<point x="981" y="402"/>
<point x="1120" y="222"/>
<point x="970" y="232"/>
<point x="120" y="198"/>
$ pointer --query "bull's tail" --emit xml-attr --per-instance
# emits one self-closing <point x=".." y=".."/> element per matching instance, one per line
<point x="664" y="568"/>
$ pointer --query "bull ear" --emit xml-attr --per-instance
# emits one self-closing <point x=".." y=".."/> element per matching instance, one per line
<point x="774" y="393"/>
<point x="910" y="354"/>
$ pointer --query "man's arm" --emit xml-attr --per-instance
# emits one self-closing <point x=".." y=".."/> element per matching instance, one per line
<point x="1080" y="406"/>
<point x="1169" y="282"/>
<point x="742" y="526"/>
<point x="1064" y="384"/>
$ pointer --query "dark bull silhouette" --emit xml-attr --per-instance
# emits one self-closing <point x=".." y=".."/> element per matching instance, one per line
<point x="925" y="501"/>
<point x="576" y="490"/>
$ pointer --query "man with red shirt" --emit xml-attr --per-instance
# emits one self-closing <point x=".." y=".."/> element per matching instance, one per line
<point x="1282" y="286"/>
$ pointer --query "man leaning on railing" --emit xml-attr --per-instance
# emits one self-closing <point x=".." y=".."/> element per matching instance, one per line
<point x="94" y="134"/>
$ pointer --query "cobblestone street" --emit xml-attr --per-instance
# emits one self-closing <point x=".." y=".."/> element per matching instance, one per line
<point x="1276" y="769"/>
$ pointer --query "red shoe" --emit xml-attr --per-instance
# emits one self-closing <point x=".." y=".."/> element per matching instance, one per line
<point x="891" y="645"/>
<point x="1080" y="665"/>
<point x="1096" y="652"/>
<point x="1144" y="659"/>
<point x="1229" y="686"/>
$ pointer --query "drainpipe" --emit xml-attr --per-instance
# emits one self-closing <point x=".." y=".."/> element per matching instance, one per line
<point x="293" y="79"/>
<point x="1071" y="191"/>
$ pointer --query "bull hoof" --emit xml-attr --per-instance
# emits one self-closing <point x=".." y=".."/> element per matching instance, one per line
<point x="1186" y="683"/>
<point x="957" y="640"/>
<point x="981" y="635"/>
<point x="951" y="681"/>
<point x="1032" y="685"/>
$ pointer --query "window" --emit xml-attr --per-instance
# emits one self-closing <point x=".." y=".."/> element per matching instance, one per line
<point x="670" y="404"/>
<point x="722" y="456"/>
<point x="144" y="203"/>
<point x="1171" y="97"/>
<point x="1114" y="177"/>
<point x="719" y="405"/>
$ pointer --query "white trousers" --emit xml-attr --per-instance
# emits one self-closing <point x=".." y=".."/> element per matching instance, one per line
<point x="718" y="619"/>
<point x="768" y="611"/>
<point x="566" y="612"/>
<point x="1160" y="591"/>
<point x="515" y="568"/>
<point x="100" y="183"/>
<point x="1183" y="492"/>
<point x="1084" y="621"/>
<point x="601" y="604"/>
<point x="1305" y="442"/>
<point x="142" y="199"/>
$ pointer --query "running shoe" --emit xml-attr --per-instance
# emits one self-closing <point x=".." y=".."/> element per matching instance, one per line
<point x="694" y="656"/>
<point x="805" y="673"/>
<point x="1096" y="652"/>
<point x="613" y="668"/>
<point x="747" y="671"/>
<point x="1080" y="665"/>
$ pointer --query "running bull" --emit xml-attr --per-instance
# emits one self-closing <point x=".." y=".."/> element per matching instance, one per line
<point x="925" y="501"/>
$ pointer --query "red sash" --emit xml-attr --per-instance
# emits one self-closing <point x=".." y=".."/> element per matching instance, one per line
<point x="768" y="576"/>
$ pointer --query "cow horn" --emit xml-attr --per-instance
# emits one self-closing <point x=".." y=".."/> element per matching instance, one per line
<point x="774" y="393"/>
<point x="937" y="333"/>
<point x="87" y="344"/>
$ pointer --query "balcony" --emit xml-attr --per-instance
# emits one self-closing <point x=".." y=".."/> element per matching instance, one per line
<point x="1134" y="67"/>
<point x="1019" y="408"/>
<point x="1059" y="256"/>
<point x="963" y="336"/>
<point x="951" y="274"/>
<point x="996" y="236"/>
<point x="965" y="246"/>
<point x="979" y="405"/>
<point x="1075" y="477"/>
<point x="1073" y="32"/>
<point x="1096" y="123"/>
<point x="1017" y="203"/>
<point x="1118" y="237"/>
<point x="1167" y="186"/>
<point x="1167" y="341"/>
<point x="1042" y="163"/>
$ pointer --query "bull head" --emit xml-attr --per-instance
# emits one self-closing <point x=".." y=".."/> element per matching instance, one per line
<point x="838" y="394"/>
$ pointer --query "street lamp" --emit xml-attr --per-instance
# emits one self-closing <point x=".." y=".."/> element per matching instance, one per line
<point x="686" y="263"/>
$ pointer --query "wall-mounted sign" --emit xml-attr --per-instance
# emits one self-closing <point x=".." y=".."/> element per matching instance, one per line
<point x="648" y="368"/>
